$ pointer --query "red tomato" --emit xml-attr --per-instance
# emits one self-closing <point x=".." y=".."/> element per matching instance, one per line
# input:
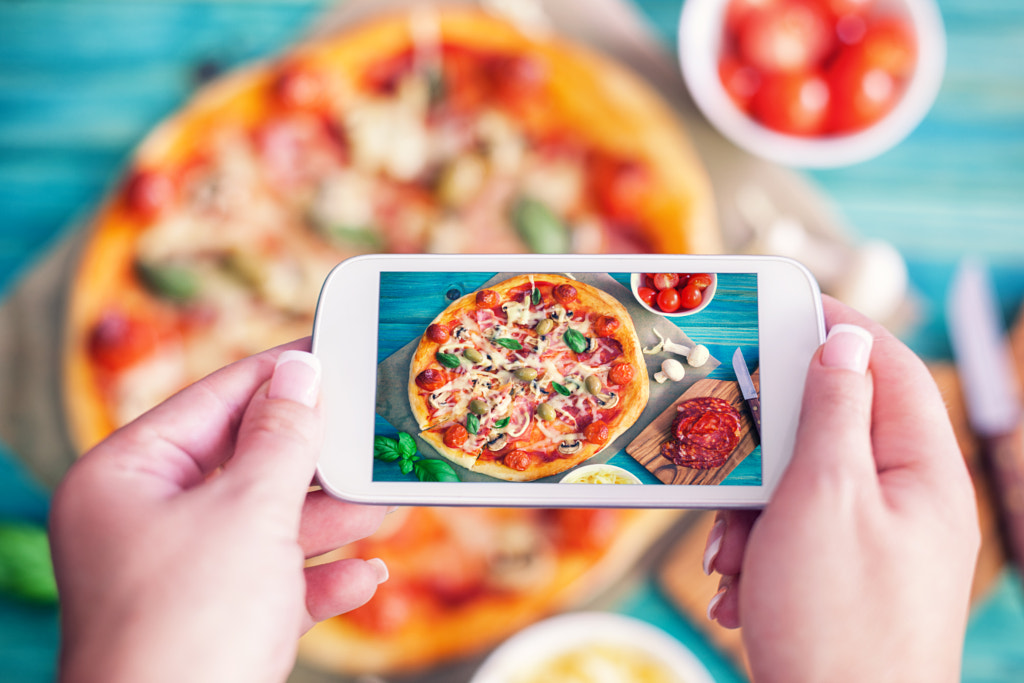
<point x="860" y="95"/>
<point x="596" y="432"/>
<point x="841" y="8"/>
<point x="739" y="80"/>
<point x="665" y="281"/>
<point x="738" y="11"/>
<point x="621" y="373"/>
<point x="668" y="300"/>
<point x="647" y="295"/>
<point x="606" y="325"/>
<point x="690" y="297"/>
<point x="701" y="281"/>
<point x="120" y="340"/>
<point x="149" y="192"/>
<point x="684" y="279"/>
<point x="298" y="87"/>
<point x="618" y="186"/>
<point x="455" y="436"/>
<point x="792" y="36"/>
<point x="794" y="103"/>
<point x="889" y="44"/>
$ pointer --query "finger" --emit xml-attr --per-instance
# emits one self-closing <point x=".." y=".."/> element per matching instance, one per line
<point x="177" y="443"/>
<point x="338" y="587"/>
<point x="279" y="439"/>
<point x="328" y="523"/>
<point x="724" y="606"/>
<point x="727" y="542"/>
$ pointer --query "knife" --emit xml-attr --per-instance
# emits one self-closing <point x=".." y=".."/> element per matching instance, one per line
<point x="739" y="365"/>
<point x="992" y="393"/>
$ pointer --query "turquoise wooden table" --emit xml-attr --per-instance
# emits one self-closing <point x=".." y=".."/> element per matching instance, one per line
<point x="82" y="81"/>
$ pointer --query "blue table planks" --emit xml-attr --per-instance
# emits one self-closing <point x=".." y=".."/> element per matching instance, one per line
<point x="81" y="83"/>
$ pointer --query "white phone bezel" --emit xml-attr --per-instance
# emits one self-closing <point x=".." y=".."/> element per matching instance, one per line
<point x="345" y="341"/>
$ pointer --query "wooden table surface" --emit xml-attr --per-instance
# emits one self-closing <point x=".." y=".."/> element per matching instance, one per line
<point x="82" y="81"/>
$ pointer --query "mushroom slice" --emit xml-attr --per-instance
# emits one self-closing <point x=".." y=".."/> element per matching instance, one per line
<point x="498" y="442"/>
<point x="570" y="446"/>
<point x="609" y="400"/>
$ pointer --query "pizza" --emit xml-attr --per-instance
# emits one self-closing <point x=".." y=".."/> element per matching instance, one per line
<point x="463" y="579"/>
<point x="446" y="131"/>
<point x="528" y="377"/>
<point x="704" y="433"/>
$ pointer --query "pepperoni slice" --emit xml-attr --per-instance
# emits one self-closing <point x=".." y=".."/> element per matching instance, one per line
<point x="705" y="432"/>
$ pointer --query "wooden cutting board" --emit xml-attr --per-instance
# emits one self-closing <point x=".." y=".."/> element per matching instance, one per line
<point x="646" y="447"/>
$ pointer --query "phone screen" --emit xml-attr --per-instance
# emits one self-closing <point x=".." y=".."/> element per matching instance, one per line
<point x="526" y="385"/>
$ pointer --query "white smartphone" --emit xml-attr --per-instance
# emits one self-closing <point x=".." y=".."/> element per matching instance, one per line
<point x="563" y="381"/>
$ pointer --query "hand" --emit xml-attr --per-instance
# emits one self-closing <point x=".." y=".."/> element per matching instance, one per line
<point x="179" y="542"/>
<point x="860" y="566"/>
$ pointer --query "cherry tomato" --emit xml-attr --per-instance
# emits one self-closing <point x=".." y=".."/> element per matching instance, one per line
<point x="297" y="87"/>
<point x="148" y="192"/>
<point x="621" y="373"/>
<point x="647" y="295"/>
<point x="889" y="44"/>
<point x="795" y="103"/>
<point x="486" y="298"/>
<point x="606" y="325"/>
<point x="438" y="333"/>
<point x="861" y="94"/>
<point x="842" y="8"/>
<point x="791" y="36"/>
<point x="668" y="300"/>
<point x="701" y="281"/>
<point x="431" y="379"/>
<point x="739" y="80"/>
<point x="665" y="281"/>
<point x="564" y="294"/>
<point x="596" y="432"/>
<point x="739" y="11"/>
<point x="455" y="436"/>
<point x="690" y="297"/>
<point x="517" y="460"/>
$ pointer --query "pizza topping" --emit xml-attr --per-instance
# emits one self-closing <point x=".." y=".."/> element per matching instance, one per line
<point x="539" y="227"/>
<point x="449" y="360"/>
<point x="596" y="432"/>
<point x="438" y="333"/>
<point x="298" y="87"/>
<point x="705" y="432"/>
<point x="608" y="401"/>
<point x="621" y="373"/>
<point x="570" y="446"/>
<point x="518" y="460"/>
<point x="431" y="379"/>
<point x="526" y="374"/>
<point x="473" y="355"/>
<point x="575" y="341"/>
<point x="564" y="294"/>
<point x="120" y="340"/>
<point x="179" y="283"/>
<point x="487" y="298"/>
<point x="455" y="436"/>
<point x="606" y="325"/>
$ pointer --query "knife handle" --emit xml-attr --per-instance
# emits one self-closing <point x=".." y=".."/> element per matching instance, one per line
<point x="755" y="412"/>
<point x="1005" y="460"/>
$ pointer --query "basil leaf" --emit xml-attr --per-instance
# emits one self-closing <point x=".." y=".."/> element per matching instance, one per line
<point x="26" y="570"/>
<point x="541" y="228"/>
<point x="449" y="360"/>
<point x="574" y="340"/>
<point x="560" y="389"/>
<point x="503" y="422"/>
<point x="508" y="343"/>
<point x="406" y="445"/>
<point x="535" y="296"/>
<point x="472" y="423"/>
<point x="385" y="449"/>
<point x="406" y="466"/>
<point x="432" y="469"/>
<point x="180" y="284"/>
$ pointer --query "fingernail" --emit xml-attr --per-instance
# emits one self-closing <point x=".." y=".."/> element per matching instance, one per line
<point x="714" y="545"/>
<point x="380" y="568"/>
<point x="847" y="347"/>
<point x="714" y="602"/>
<point x="296" y="378"/>
<point x="391" y="509"/>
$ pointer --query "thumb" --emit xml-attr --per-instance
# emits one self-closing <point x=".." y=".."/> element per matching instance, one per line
<point x="834" y="434"/>
<point x="281" y="432"/>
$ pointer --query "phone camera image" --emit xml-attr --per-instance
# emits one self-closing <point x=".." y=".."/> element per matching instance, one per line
<point x="582" y="378"/>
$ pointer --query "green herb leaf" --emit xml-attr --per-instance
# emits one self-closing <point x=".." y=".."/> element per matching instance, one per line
<point x="26" y="570"/>
<point x="406" y="466"/>
<point x="432" y="469"/>
<point x="574" y="340"/>
<point x="508" y="343"/>
<point x="178" y="283"/>
<point x="560" y="389"/>
<point x="472" y="423"/>
<point x="502" y="423"/>
<point x="449" y="360"/>
<point x="406" y="445"/>
<point x="385" y="449"/>
<point x="541" y="228"/>
<point x="535" y="296"/>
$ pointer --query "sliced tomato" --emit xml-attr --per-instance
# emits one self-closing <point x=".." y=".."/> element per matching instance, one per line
<point x="665" y="281"/>
<point x="700" y="280"/>
<point x="861" y="95"/>
<point x="647" y="295"/>
<point x="793" y="103"/>
<point x="791" y="36"/>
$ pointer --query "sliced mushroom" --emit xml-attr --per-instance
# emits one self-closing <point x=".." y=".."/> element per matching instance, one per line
<point x="439" y="399"/>
<point x="498" y="442"/>
<point x="460" y="333"/>
<point x="608" y="400"/>
<point x="570" y="446"/>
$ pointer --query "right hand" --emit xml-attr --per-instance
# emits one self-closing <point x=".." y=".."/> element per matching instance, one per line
<point x="860" y="566"/>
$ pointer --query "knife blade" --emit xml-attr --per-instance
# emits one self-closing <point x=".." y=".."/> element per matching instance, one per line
<point x="739" y="365"/>
<point x="992" y="394"/>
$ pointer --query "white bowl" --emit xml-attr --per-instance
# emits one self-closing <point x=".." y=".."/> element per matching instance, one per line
<point x="579" y="473"/>
<point x="700" y="37"/>
<point x="547" y="639"/>
<point x="709" y="294"/>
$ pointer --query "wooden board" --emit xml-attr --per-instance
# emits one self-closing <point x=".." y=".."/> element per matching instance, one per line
<point x="646" y="447"/>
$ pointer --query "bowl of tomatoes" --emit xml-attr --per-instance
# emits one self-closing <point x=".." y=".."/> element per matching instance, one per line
<point x="674" y="294"/>
<point x="813" y="83"/>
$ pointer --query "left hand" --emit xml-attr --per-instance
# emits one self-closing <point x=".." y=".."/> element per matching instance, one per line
<point x="179" y="542"/>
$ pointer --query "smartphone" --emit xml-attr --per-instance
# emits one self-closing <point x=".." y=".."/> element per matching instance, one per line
<point x="563" y="381"/>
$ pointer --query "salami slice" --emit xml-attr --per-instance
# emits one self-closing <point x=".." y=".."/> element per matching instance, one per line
<point x="705" y="432"/>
